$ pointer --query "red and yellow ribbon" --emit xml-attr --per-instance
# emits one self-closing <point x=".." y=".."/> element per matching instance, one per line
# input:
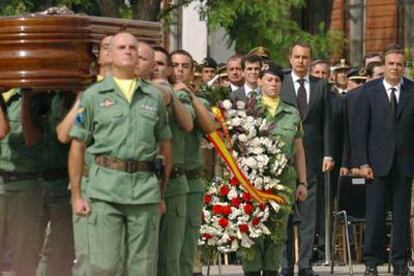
<point x="218" y="143"/>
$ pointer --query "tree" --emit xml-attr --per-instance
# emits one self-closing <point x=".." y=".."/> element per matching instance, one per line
<point x="267" y="23"/>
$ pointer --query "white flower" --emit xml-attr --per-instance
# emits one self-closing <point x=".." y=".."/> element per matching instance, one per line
<point x="251" y="162"/>
<point x="240" y="105"/>
<point x="242" y="138"/>
<point x="235" y="122"/>
<point x="232" y="194"/>
<point x="227" y="105"/>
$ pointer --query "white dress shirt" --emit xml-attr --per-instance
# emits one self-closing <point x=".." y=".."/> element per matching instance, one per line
<point x="247" y="90"/>
<point x="388" y="87"/>
<point x="296" y="84"/>
<point x="233" y="87"/>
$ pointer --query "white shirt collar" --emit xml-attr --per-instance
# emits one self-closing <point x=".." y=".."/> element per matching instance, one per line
<point x="295" y="77"/>
<point x="234" y="87"/>
<point x="388" y="86"/>
<point x="247" y="89"/>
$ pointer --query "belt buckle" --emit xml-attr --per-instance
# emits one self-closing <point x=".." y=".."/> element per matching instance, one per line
<point x="129" y="166"/>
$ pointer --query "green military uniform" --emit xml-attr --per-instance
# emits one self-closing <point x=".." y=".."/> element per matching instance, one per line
<point x="172" y="226"/>
<point x="266" y="251"/>
<point x="19" y="167"/>
<point x="80" y="224"/>
<point x="57" y="254"/>
<point x="125" y="204"/>
<point x="193" y="163"/>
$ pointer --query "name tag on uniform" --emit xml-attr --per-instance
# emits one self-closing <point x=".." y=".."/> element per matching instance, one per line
<point x="149" y="108"/>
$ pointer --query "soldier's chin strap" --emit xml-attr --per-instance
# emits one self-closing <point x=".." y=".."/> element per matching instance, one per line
<point x="218" y="143"/>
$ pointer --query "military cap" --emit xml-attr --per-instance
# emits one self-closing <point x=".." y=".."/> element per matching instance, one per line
<point x="341" y="65"/>
<point x="222" y="70"/>
<point x="209" y="62"/>
<point x="197" y="69"/>
<point x="270" y="67"/>
<point x="260" y="51"/>
<point x="357" y="74"/>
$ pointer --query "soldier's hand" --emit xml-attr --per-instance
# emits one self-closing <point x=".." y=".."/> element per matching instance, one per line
<point x="80" y="207"/>
<point x="343" y="171"/>
<point x="301" y="193"/>
<point x="327" y="164"/>
<point x="181" y="86"/>
<point x="366" y="172"/>
<point x="163" y="207"/>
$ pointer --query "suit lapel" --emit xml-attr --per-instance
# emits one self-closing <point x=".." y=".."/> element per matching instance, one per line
<point x="404" y="97"/>
<point x="288" y="91"/>
<point x="312" y="95"/>
<point x="383" y="100"/>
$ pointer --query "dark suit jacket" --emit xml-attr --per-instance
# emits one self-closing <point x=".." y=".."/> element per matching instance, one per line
<point x="349" y="111"/>
<point x="337" y="120"/>
<point x="381" y="141"/>
<point x="239" y="94"/>
<point x="316" y="123"/>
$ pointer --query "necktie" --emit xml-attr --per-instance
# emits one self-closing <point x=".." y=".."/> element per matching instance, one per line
<point x="343" y="93"/>
<point x="301" y="98"/>
<point x="393" y="102"/>
<point x="251" y="94"/>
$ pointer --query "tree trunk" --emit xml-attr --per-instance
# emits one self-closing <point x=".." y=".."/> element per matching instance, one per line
<point x="148" y="10"/>
<point x="109" y="8"/>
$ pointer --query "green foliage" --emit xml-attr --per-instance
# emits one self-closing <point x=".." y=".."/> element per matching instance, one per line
<point x="266" y="23"/>
<point x="20" y="7"/>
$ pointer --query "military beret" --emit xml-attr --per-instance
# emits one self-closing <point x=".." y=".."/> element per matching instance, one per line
<point x="209" y="62"/>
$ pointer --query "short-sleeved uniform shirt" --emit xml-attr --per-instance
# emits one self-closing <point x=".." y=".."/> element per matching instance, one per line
<point x="111" y="126"/>
<point x="288" y="128"/>
<point x="15" y="155"/>
<point x="178" y="142"/>
<point x="193" y="153"/>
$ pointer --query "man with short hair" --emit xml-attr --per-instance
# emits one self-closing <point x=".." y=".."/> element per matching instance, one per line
<point x="384" y="154"/>
<point x="312" y="98"/>
<point x="371" y="57"/>
<point x="234" y="72"/>
<point x="146" y="62"/>
<point x="121" y="122"/>
<point x="320" y="69"/>
<point x="162" y="68"/>
<point x="375" y="70"/>
<point x="251" y="66"/>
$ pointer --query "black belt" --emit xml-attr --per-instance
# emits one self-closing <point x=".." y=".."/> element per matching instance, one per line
<point x="48" y="175"/>
<point x="129" y="166"/>
<point x="177" y="172"/>
<point x="193" y="174"/>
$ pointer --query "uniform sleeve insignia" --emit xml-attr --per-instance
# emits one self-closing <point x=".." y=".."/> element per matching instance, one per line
<point x="80" y="116"/>
<point x="106" y="103"/>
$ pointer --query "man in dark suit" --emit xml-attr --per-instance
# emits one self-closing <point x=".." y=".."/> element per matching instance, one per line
<point x="251" y="66"/>
<point x="384" y="151"/>
<point x="311" y="96"/>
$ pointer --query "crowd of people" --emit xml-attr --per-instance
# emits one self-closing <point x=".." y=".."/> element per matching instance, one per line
<point x="130" y="147"/>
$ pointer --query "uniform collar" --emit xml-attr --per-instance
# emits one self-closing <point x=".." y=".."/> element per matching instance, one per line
<point x="108" y="85"/>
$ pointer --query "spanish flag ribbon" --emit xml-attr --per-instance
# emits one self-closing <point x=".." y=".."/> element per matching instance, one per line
<point x="218" y="143"/>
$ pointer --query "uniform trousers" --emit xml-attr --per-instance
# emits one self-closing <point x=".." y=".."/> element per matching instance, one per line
<point x="172" y="229"/>
<point x="122" y="239"/>
<point x="192" y="230"/>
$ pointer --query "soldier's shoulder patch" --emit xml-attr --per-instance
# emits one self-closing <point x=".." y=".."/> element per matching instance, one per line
<point x="80" y="116"/>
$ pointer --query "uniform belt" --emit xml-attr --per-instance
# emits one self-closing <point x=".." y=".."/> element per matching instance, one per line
<point x="48" y="175"/>
<point x="192" y="174"/>
<point x="129" y="166"/>
<point x="177" y="172"/>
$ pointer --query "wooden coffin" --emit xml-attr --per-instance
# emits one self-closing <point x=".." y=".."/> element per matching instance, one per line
<point x="57" y="51"/>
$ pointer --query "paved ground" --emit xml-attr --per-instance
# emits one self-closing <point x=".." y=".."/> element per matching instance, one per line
<point x="233" y="270"/>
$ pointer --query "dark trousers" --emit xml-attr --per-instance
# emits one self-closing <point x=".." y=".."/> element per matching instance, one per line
<point x="306" y="215"/>
<point x="398" y="189"/>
